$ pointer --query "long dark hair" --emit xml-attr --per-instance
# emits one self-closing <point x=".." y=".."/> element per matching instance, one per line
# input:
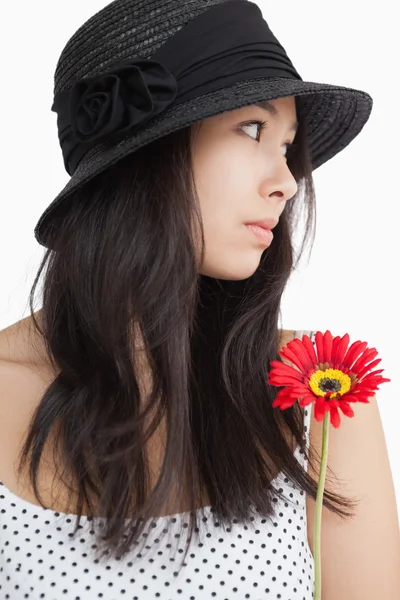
<point x="124" y="262"/>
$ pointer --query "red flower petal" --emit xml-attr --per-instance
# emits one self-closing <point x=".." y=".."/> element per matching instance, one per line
<point x="279" y="380"/>
<point x="283" y="403"/>
<point x="370" y="380"/>
<point x="319" y="410"/>
<point x="310" y="351"/>
<point x="346" y="409"/>
<point x="320" y="347"/>
<point x="352" y="354"/>
<point x="361" y="372"/>
<point x="290" y="393"/>
<point x="308" y="358"/>
<point x="284" y="369"/>
<point x="366" y="357"/>
<point x="335" y="417"/>
<point x="307" y="400"/>
<point x="351" y="398"/>
<point x="296" y="359"/>
<point x="327" y="344"/>
<point x="298" y="392"/>
<point x="339" y="349"/>
<point x="361" y="397"/>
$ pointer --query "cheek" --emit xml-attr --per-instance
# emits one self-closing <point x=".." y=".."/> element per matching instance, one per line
<point x="225" y="197"/>
<point x="225" y="177"/>
<point x="221" y="219"/>
<point x="225" y="234"/>
<point x="224" y="167"/>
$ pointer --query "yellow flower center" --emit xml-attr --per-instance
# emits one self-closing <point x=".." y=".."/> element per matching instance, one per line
<point x="331" y="380"/>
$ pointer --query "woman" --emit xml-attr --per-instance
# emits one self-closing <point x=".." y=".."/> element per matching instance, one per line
<point x="139" y="443"/>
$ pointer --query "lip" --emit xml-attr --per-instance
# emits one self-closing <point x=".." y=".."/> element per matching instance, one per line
<point x="268" y="224"/>
<point x="264" y="236"/>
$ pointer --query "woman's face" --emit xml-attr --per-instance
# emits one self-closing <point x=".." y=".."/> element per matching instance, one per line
<point x="241" y="175"/>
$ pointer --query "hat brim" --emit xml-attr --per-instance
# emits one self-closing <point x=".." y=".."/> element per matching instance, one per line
<point x="335" y="115"/>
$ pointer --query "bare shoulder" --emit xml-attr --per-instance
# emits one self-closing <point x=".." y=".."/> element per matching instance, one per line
<point x="23" y="381"/>
<point x="20" y="342"/>
<point x="286" y="335"/>
<point x="21" y="346"/>
<point x="24" y="373"/>
<point x="359" y="460"/>
<point x="23" y="377"/>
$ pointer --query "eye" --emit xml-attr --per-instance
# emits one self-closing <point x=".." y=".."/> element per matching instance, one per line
<point x="261" y="126"/>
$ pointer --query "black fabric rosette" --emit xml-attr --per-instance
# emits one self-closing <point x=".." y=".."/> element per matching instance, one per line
<point x="111" y="103"/>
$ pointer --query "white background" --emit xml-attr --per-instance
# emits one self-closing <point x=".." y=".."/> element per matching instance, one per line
<point x="351" y="282"/>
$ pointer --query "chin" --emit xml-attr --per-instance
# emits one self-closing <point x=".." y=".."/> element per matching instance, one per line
<point x="235" y="273"/>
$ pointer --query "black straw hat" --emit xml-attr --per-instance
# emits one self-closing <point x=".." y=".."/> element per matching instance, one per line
<point x="140" y="69"/>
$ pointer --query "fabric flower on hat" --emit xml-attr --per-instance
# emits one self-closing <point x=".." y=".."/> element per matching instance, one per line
<point x="118" y="100"/>
<point x="332" y="377"/>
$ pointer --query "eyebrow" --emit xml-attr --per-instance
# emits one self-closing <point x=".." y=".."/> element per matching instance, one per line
<point x="274" y="112"/>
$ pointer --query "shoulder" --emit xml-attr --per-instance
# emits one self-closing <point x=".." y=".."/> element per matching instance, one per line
<point x="23" y="377"/>
<point x="23" y="353"/>
<point x="24" y="374"/>
<point x="359" y="461"/>
<point x="285" y="336"/>
<point x="13" y="370"/>
<point x="19" y="343"/>
<point x="22" y="384"/>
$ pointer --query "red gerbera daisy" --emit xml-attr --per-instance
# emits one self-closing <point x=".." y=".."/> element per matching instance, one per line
<point x="332" y="377"/>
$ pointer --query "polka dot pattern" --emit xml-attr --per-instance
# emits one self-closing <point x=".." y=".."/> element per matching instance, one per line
<point x="269" y="559"/>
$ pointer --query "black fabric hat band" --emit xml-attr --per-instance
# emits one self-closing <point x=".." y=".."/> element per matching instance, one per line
<point x="227" y="43"/>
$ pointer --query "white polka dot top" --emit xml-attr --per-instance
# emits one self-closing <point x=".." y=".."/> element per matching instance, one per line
<point x="271" y="559"/>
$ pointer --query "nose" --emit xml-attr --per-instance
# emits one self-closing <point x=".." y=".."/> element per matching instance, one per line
<point x="281" y="184"/>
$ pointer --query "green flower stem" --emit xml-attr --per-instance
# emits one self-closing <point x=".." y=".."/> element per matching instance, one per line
<point x="318" y="508"/>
